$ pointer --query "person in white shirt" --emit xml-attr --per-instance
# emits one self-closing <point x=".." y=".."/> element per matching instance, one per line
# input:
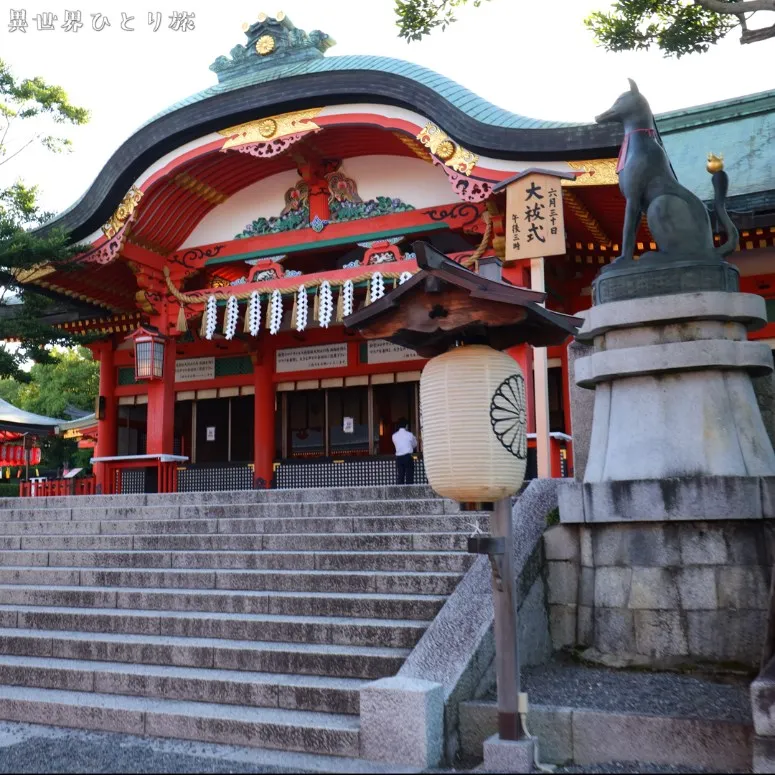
<point x="405" y="444"/>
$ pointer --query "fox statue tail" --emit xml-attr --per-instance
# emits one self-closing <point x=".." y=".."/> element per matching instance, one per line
<point x="720" y="186"/>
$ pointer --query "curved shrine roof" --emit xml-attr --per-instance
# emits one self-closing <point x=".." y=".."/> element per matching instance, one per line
<point x="282" y="69"/>
<point x="294" y="75"/>
<point x="457" y="96"/>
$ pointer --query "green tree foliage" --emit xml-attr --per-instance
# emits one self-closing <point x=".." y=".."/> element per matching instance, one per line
<point x="676" y="27"/>
<point x="418" y="18"/>
<point x="69" y="379"/>
<point x="28" y="109"/>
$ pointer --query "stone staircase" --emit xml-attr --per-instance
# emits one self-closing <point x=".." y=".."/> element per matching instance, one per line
<point x="247" y="618"/>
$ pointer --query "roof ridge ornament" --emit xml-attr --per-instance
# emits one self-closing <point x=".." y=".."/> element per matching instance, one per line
<point x="271" y="42"/>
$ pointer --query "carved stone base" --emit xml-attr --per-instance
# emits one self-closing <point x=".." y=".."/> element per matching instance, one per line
<point x="673" y="391"/>
<point x="645" y="277"/>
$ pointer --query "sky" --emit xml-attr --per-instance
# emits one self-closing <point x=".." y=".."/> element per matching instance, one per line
<point x="533" y="58"/>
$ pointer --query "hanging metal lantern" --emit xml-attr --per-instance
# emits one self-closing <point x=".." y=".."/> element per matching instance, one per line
<point x="474" y="424"/>
<point x="149" y="353"/>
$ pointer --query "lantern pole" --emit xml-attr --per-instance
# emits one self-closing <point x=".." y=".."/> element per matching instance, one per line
<point x="506" y="637"/>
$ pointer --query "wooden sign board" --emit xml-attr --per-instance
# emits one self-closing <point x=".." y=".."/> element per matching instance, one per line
<point x="534" y="220"/>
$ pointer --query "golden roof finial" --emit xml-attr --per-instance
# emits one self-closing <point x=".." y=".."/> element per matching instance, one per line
<point x="715" y="163"/>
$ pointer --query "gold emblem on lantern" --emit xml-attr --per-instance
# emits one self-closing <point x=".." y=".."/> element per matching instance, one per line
<point x="445" y="150"/>
<point x="265" y="45"/>
<point x="267" y="127"/>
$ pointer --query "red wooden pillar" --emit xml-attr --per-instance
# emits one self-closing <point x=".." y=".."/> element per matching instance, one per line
<point x="161" y="407"/>
<point x="107" y="427"/>
<point x="518" y="274"/>
<point x="566" y="378"/>
<point x="523" y="355"/>
<point x="264" y="428"/>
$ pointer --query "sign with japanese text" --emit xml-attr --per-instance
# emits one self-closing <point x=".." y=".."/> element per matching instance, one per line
<point x="323" y="356"/>
<point x="534" y="221"/>
<point x="382" y="351"/>
<point x="194" y="369"/>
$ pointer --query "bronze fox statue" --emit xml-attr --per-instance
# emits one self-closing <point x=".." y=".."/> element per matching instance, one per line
<point x="677" y="219"/>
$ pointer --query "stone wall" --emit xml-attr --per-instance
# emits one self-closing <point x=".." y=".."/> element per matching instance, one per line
<point x="661" y="594"/>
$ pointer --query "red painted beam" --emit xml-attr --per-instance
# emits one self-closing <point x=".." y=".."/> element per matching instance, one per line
<point x="463" y="216"/>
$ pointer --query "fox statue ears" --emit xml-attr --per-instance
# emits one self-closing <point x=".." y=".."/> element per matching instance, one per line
<point x="633" y="86"/>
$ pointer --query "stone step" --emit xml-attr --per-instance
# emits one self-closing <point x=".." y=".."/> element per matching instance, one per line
<point x="275" y="580"/>
<point x="241" y="542"/>
<point x="277" y="728"/>
<point x="441" y="541"/>
<point x="420" y="561"/>
<point x="393" y="633"/>
<point x="360" y="525"/>
<point x="310" y="495"/>
<point x="231" y="687"/>
<point x="278" y="511"/>
<point x="367" y="662"/>
<point x="357" y="605"/>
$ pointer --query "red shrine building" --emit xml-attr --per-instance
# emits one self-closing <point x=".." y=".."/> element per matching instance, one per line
<point x="232" y="234"/>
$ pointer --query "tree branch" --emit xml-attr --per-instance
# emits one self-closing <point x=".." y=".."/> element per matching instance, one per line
<point x="738" y="7"/>
<point x="16" y="153"/>
<point x="754" y="36"/>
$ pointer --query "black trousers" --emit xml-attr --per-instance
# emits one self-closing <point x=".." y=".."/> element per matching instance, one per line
<point x="404" y="469"/>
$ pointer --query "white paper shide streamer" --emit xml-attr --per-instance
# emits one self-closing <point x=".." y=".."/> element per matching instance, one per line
<point x="212" y="317"/>
<point x="254" y="313"/>
<point x="230" y="319"/>
<point x="325" y="304"/>
<point x="377" y="286"/>
<point x="277" y="312"/>
<point x="348" y="291"/>
<point x="302" y="309"/>
<point x="404" y="277"/>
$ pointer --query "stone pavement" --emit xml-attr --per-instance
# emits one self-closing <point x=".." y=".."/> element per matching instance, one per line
<point x="28" y="748"/>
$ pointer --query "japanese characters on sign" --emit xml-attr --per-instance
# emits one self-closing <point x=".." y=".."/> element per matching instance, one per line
<point x="194" y="369"/>
<point x="534" y="217"/>
<point x="324" y="356"/>
<point x="75" y="20"/>
<point x="382" y="351"/>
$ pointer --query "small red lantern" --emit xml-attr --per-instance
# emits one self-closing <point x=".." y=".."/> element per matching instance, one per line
<point x="149" y="353"/>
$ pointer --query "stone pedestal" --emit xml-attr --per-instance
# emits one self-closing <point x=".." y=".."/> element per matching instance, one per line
<point x="673" y="391"/>
<point x="508" y="755"/>
<point x="674" y="550"/>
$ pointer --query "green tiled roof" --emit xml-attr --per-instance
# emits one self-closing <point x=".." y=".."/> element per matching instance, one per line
<point x="462" y="98"/>
<point x="748" y="147"/>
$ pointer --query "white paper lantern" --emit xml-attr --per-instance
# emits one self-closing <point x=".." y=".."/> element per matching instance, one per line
<point x="474" y="424"/>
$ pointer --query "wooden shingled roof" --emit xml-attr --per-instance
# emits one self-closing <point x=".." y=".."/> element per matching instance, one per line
<point x="445" y="303"/>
